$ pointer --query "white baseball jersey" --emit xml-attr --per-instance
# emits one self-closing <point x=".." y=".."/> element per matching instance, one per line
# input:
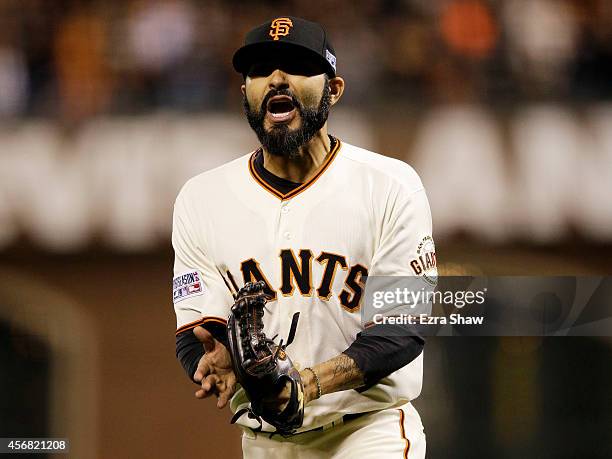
<point x="361" y="214"/>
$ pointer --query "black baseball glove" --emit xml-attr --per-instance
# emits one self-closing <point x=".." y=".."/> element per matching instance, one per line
<point x="262" y="367"/>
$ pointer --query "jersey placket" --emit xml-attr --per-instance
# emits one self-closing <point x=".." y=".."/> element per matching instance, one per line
<point x="285" y="223"/>
<point x="289" y="236"/>
<point x="284" y="239"/>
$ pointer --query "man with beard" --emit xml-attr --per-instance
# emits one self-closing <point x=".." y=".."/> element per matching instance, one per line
<point x="311" y="217"/>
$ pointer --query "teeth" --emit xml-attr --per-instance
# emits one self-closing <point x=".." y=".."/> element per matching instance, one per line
<point x="280" y="115"/>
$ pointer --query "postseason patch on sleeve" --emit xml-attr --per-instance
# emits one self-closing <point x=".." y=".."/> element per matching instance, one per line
<point x="187" y="285"/>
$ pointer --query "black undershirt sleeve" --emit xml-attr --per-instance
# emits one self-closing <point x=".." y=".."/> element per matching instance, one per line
<point x="189" y="350"/>
<point x="382" y="349"/>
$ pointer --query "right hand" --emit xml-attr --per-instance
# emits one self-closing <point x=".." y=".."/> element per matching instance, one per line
<point x="214" y="372"/>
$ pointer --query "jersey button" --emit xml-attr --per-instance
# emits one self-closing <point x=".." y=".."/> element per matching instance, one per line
<point x="288" y="235"/>
<point x="285" y="209"/>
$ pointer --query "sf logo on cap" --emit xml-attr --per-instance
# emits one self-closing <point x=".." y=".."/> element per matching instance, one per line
<point x="280" y="27"/>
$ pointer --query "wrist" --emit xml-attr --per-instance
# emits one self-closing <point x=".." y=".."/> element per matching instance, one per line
<point x="312" y="385"/>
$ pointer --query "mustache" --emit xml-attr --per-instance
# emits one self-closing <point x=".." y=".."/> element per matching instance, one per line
<point x="280" y="92"/>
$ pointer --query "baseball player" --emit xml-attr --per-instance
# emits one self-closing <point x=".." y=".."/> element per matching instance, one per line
<point x="309" y="217"/>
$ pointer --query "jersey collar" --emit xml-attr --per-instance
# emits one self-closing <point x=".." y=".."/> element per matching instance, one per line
<point x="284" y="196"/>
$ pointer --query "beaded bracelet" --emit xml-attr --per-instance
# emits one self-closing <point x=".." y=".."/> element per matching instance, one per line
<point x="317" y="382"/>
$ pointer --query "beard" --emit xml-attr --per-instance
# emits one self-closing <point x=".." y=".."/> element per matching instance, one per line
<point x="280" y="140"/>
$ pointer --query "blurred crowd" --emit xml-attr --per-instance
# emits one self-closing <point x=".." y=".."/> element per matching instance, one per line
<point x="74" y="59"/>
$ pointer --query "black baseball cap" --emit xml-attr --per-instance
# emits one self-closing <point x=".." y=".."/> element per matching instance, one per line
<point x="286" y="36"/>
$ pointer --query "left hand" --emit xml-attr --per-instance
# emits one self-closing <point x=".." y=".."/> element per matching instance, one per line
<point x="280" y="401"/>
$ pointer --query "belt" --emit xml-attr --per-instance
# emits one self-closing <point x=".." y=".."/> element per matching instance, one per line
<point x="342" y="420"/>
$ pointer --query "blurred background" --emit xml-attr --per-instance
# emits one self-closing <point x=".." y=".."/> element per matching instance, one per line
<point x="107" y="107"/>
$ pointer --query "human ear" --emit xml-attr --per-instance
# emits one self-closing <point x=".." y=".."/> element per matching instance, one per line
<point x="336" y="89"/>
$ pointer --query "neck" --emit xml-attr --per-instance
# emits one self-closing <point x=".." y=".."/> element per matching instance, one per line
<point x="302" y="167"/>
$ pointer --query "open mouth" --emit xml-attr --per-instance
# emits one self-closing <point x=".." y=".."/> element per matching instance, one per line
<point x="280" y="109"/>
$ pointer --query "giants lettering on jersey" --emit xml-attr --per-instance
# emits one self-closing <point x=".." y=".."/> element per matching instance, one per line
<point x="297" y="274"/>
<point x="425" y="263"/>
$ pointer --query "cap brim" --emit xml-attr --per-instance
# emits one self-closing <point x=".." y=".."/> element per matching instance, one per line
<point x="254" y="52"/>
